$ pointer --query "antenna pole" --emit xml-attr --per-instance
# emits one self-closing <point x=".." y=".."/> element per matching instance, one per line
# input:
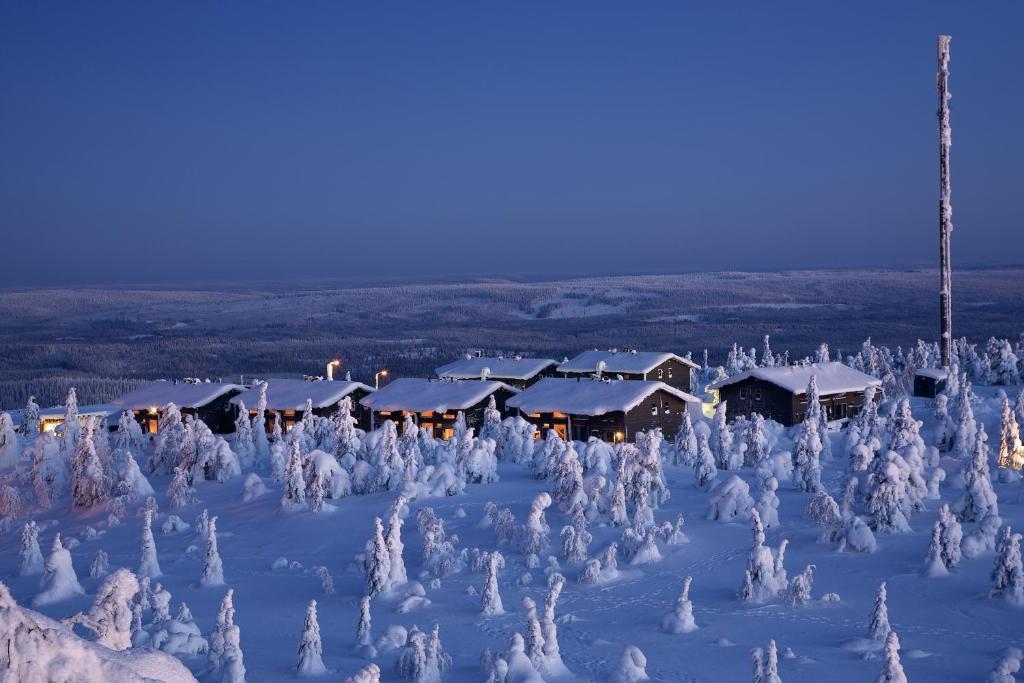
<point x="945" y="208"/>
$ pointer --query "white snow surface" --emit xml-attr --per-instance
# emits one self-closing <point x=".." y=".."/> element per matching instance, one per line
<point x="100" y="410"/>
<point x="182" y="394"/>
<point x="832" y="378"/>
<point x="499" y="368"/>
<point x="932" y="373"/>
<point x="621" y="361"/>
<point x="590" y="396"/>
<point x="421" y="395"/>
<point x="291" y="394"/>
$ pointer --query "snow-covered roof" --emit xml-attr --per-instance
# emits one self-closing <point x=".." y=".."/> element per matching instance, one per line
<point x="631" y="362"/>
<point x="291" y="394"/>
<point x="498" y="368"/>
<point x="182" y="394"/>
<point x="101" y="410"/>
<point x="588" y="396"/>
<point x="423" y="395"/>
<point x="832" y="378"/>
<point x="932" y="373"/>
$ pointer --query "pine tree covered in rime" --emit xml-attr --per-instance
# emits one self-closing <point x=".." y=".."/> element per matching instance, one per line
<point x="945" y="429"/>
<point x="409" y="449"/>
<point x="967" y="427"/>
<point x="30" y="419"/>
<point x="10" y="506"/>
<point x="576" y="540"/>
<point x="50" y="475"/>
<point x="889" y="506"/>
<point x="225" y="662"/>
<point x="764" y="578"/>
<point x="131" y="484"/>
<point x="490" y="598"/>
<point x="533" y="635"/>
<point x="149" y="565"/>
<point x="548" y="454"/>
<point x="951" y="537"/>
<point x="979" y="498"/>
<point x="378" y="561"/>
<point x="767" y="357"/>
<point x="30" y="558"/>
<point x="259" y="427"/>
<point x="767" y="505"/>
<point x="368" y="674"/>
<point x="364" y="637"/>
<point x="491" y="428"/>
<point x="1008" y="573"/>
<point x="393" y="538"/>
<point x="806" y="456"/>
<point x="294" y="496"/>
<point x="680" y="619"/>
<point x="128" y="436"/>
<point x="180" y="492"/>
<point x="110" y="617"/>
<point x="649" y="446"/>
<point x="704" y="469"/>
<point x="568" y="481"/>
<point x="824" y="512"/>
<point x="535" y="532"/>
<point x="1011" y="452"/>
<point x="387" y="459"/>
<point x="310" y="647"/>
<point x="617" y="503"/>
<point x="933" y="564"/>
<point x="213" y="567"/>
<point x="553" y="665"/>
<point x="721" y="441"/>
<point x="892" y="669"/>
<point x="170" y="434"/>
<point x="68" y="433"/>
<point x="59" y="579"/>
<point x="245" y="445"/>
<point x="161" y="601"/>
<point x="10" y="443"/>
<point x="766" y="664"/>
<point x="90" y="485"/>
<point x="755" y="440"/>
<point x="799" y="592"/>
<point x="100" y="565"/>
<point x="878" y="624"/>
<point x="346" y="436"/>
<point x="685" y="451"/>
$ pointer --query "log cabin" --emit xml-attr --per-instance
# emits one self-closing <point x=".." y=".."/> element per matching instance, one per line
<point x="779" y="393"/>
<point x="659" y="366"/>
<point x="514" y="371"/>
<point x="612" y="410"/>
<point x="207" y="401"/>
<point x="286" y="399"/>
<point x="435" y="403"/>
<point x="929" y="382"/>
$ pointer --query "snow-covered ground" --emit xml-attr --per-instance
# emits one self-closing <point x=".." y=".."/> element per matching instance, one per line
<point x="949" y="628"/>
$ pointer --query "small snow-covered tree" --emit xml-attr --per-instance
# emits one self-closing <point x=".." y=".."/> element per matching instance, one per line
<point x="59" y="579"/>
<point x="225" y="661"/>
<point x="110" y="618"/>
<point x="1011" y="452"/>
<point x="180" y="492"/>
<point x="979" y="498"/>
<point x="799" y="592"/>
<point x="364" y="637"/>
<point x="680" y="619"/>
<point x="765" y="577"/>
<point x="29" y="427"/>
<point x="889" y="503"/>
<point x="878" y="625"/>
<point x="310" y="647"/>
<point x="535" y="532"/>
<point x="90" y="484"/>
<point x="768" y="503"/>
<point x="490" y="598"/>
<point x="149" y="565"/>
<point x="721" y="441"/>
<point x="730" y="501"/>
<point x="213" y="567"/>
<point x="704" y="469"/>
<point x="807" y="454"/>
<point x="685" y="442"/>
<point x="378" y="561"/>
<point x="393" y="538"/>
<point x="169" y="438"/>
<point x="100" y="565"/>
<point x="491" y="428"/>
<point x="892" y="669"/>
<point x="967" y="427"/>
<point x="631" y="668"/>
<point x="945" y="429"/>
<point x="10" y="443"/>
<point x="756" y="440"/>
<point x="368" y="674"/>
<point x="259" y="426"/>
<point x="294" y="496"/>
<point x="30" y="558"/>
<point x="70" y="427"/>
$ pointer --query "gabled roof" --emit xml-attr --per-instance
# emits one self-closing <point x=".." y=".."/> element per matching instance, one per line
<point x="291" y="394"/>
<point x="102" y="411"/>
<point x="499" y="368"/>
<point x="422" y="395"/>
<point x="630" y="362"/>
<point x="832" y="378"/>
<point x="182" y="394"/>
<point x="932" y="373"/>
<point x="588" y="396"/>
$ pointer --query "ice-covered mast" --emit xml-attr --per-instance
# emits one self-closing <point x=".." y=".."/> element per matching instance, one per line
<point x="945" y="208"/>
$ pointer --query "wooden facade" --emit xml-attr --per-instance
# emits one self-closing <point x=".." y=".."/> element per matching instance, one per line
<point x="218" y="414"/>
<point x="290" y="416"/>
<point x="660" y="410"/>
<point x="929" y="383"/>
<point x="753" y="395"/>
<point x="442" y="424"/>
<point x="650" y="366"/>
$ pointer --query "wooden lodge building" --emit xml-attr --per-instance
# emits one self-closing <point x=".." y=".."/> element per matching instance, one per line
<point x="612" y="410"/>
<point x="286" y="398"/>
<point x="208" y="401"/>
<point x="930" y="382"/>
<point x="658" y="366"/>
<point x="779" y="393"/>
<point x="436" y="403"/>
<point x="515" y="371"/>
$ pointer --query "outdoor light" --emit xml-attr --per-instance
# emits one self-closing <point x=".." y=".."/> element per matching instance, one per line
<point x="376" y="378"/>
<point x="336" y="363"/>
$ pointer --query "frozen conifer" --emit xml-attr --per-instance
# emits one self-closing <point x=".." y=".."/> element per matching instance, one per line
<point x="213" y="568"/>
<point x="310" y="648"/>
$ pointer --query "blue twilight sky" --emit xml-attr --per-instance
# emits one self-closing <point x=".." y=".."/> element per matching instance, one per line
<point x="184" y="141"/>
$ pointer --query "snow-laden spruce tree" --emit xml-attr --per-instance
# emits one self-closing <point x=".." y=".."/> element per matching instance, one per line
<point x="377" y="563"/>
<point x="293" y="498"/>
<point x="311" y="662"/>
<point x="68" y="431"/>
<point x="29" y="427"/>
<point x="491" y="428"/>
<point x="945" y="429"/>
<point x="364" y="628"/>
<point x="59" y="579"/>
<point x="807" y="454"/>
<point x="225" y="662"/>
<point x="179" y="491"/>
<point x="766" y="664"/>
<point x="878" y="624"/>
<point x="889" y="506"/>
<point x="765" y="577"/>
<point x="631" y="667"/>
<point x="798" y="594"/>
<point x="110" y="618"/>
<point x="213" y="568"/>
<point x="30" y="558"/>
<point x="567" y="481"/>
<point x="979" y="498"/>
<point x="892" y="669"/>
<point x="730" y="501"/>
<point x="552" y="660"/>
<point x="726" y="454"/>
<point x="768" y="503"/>
<point x="393" y="538"/>
<point x="534" y="536"/>
<point x="132" y="484"/>
<point x="244" y="444"/>
<point x="685" y="443"/>
<point x="10" y="442"/>
<point x="346" y="435"/>
<point x="680" y="619"/>
<point x="149" y="565"/>
<point x="259" y="427"/>
<point x="386" y="459"/>
<point x="90" y="484"/>
<point x="368" y="674"/>
<point x="967" y="426"/>
<point x="1011" y="452"/>
<point x="704" y="469"/>
<point x="576" y="540"/>
<point x="169" y="436"/>
<point x="756" y="440"/>
<point x="933" y="564"/>
<point x="100" y="565"/>
<point x="533" y="634"/>
<point x="1008" y="574"/>
<point x="490" y="598"/>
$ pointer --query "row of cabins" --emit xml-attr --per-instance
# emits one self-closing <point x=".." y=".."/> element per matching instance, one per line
<point x="610" y="395"/>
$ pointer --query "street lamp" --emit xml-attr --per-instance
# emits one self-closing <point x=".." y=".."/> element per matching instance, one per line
<point x="376" y="378"/>
<point x="330" y="369"/>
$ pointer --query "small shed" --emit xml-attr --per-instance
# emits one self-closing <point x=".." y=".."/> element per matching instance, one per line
<point x="207" y="401"/>
<point x="435" y="403"/>
<point x="514" y="371"/>
<point x="612" y="410"/>
<point x="929" y="382"/>
<point x="659" y="366"/>
<point x="287" y="398"/>
<point x="779" y="393"/>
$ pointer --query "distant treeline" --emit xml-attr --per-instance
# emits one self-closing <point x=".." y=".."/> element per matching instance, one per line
<point x="51" y="391"/>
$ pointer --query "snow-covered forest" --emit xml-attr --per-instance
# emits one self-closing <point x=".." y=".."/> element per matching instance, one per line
<point x="96" y="339"/>
<point x="886" y="548"/>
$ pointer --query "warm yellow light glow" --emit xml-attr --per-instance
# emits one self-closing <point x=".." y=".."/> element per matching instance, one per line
<point x="619" y="436"/>
<point x="152" y="410"/>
